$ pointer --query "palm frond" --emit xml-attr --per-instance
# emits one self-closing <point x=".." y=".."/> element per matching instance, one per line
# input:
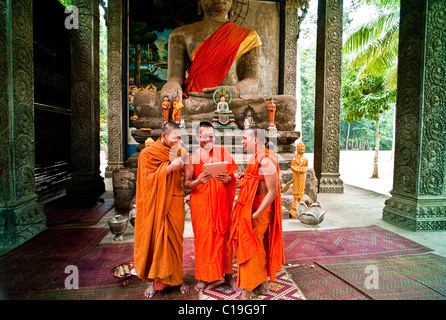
<point x="375" y="28"/>
<point x="373" y="47"/>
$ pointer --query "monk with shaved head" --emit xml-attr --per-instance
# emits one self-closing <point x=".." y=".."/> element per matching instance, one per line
<point x="159" y="223"/>
<point x="211" y="202"/>
<point x="256" y="229"/>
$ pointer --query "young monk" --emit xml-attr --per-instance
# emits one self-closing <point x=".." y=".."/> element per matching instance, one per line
<point x="159" y="223"/>
<point x="211" y="202"/>
<point x="257" y="219"/>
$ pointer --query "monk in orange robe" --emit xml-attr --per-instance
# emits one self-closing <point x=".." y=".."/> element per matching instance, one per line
<point x="211" y="202"/>
<point x="256" y="228"/>
<point x="159" y="223"/>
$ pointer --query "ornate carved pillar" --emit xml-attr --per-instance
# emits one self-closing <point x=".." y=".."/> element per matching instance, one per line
<point x="328" y="96"/>
<point x="21" y="217"/>
<point x="418" y="199"/>
<point x="85" y="161"/>
<point x="289" y="43"/>
<point x="116" y="105"/>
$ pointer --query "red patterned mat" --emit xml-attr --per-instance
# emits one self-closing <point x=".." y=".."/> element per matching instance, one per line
<point x="283" y="288"/>
<point x="40" y="261"/>
<point x="96" y="264"/>
<point x="303" y="247"/>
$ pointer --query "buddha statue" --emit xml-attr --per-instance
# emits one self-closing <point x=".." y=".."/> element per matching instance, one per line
<point x="220" y="54"/>
<point x="223" y="116"/>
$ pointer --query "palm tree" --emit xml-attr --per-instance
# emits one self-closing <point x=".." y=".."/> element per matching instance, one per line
<point x="373" y="46"/>
<point x="372" y="49"/>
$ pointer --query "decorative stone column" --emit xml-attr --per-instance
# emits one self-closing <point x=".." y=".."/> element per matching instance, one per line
<point x="327" y="126"/>
<point x="289" y="24"/>
<point x="85" y="161"/>
<point x="116" y="105"/>
<point x="418" y="199"/>
<point x="21" y="217"/>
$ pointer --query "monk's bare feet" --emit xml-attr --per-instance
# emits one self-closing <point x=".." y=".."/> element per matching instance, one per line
<point x="200" y="286"/>
<point x="184" y="288"/>
<point x="150" y="292"/>
<point x="263" y="288"/>
<point x="245" y="295"/>
<point x="232" y="283"/>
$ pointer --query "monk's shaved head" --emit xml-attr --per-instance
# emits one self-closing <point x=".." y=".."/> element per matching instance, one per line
<point x="169" y="126"/>
<point x="203" y="124"/>
<point x="258" y="133"/>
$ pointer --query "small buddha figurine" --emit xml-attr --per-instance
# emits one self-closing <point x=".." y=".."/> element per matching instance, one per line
<point x="299" y="167"/>
<point x="166" y="109"/>
<point x="177" y="106"/>
<point x="271" y="113"/>
<point x="222" y="105"/>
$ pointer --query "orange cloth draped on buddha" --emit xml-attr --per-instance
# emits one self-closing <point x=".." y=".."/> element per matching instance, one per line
<point x="211" y="207"/>
<point x="159" y="222"/>
<point x="258" y="243"/>
<point x="212" y="59"/>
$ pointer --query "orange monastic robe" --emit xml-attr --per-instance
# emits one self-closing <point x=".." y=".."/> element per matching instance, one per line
<point x="258" y="243"/>
<point x="159" y="222"/>
<point x="211" y="208"/>
<point x="212" y="59"/>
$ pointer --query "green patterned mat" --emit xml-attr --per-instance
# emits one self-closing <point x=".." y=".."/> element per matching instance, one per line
<point x="412" y="277"/>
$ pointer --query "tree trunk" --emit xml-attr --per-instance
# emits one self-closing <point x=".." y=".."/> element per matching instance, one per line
<point x="375" y="159"/>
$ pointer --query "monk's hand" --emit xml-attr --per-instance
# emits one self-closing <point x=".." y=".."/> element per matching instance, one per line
<point x="224" y="177"/>
<point x="255" y="215"/>
<point x="175" y="165"/>
<point x="209" y="92"/>
<point x="204" y="178"/>
<point x="239" y="176"/>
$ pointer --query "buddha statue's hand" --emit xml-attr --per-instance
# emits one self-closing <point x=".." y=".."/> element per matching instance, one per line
<point x="172" y="89"/>
<point x="208" y="93"/>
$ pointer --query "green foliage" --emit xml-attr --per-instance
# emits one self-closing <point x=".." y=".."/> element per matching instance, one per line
<point x="308" y="67"/>
<point x="364" y="98"/>
<point x="103" y="83"/>
<point x="140" y="33"/>
<point x="373" y="46"/>
<point x="66" y="3"/>
<point x="369" y="77"/>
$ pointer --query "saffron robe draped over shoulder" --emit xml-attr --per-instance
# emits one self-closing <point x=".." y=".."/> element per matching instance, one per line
<point x="211" y="207"/>
<point x="247" y="245"/>
<point x="212" y="59"/>
<point x="159" y="222"/>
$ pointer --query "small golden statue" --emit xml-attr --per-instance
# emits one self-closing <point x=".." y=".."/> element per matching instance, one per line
<point x="177" y="106"/>
<point x="166" y="109"/>
<point x="299" y="166"/>
<point x="271" y="113"/>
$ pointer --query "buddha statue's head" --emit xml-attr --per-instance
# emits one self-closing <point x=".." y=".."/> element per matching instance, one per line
<point x="213" y="7"/>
